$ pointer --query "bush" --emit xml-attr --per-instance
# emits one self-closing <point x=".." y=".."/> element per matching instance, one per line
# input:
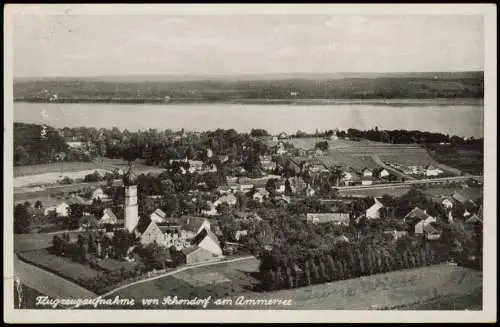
<point x="66" y="180"/>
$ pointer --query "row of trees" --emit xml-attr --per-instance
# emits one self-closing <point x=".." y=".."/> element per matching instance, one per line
<point x="358" y="262"/>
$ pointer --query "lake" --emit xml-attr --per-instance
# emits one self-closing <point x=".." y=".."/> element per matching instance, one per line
<point x="462" y="120"/>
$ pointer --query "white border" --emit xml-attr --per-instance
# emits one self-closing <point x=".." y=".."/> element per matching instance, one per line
<point x="488" y="314"/>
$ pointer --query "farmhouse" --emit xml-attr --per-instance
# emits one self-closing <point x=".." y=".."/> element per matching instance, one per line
<point x="350" y="177"/>
<point x="419" y="227"/>
<point x="158" y="216"/>
<point x="374" y="212"/>
<point x="61" y="209"/>
<point x="430" y="170"/>
<point x="383" y="173"/>
<point x="151" y="234"/>
<point x="191" y="226"/>
<point x="367" y="172"/>
<point x="205" y="247"/>
<point x="321" y="218"/>
<point x="108" y="217"/>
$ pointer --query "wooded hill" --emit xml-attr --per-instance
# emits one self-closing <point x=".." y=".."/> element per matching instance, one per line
<point x="284" y="86"/>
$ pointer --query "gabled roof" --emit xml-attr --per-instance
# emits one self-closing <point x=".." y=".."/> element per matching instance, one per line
<point x="417" y="213"/>
<point x="328" y="217"/>
<point x="474" y="219"/>
<point x="204" y="234"/>
<point x="160" y="213"/>
<point x="111" y="219"/>
<point x="469" y="193"/>
<point x="227" y="198"/>
<point x="191" y="223"/>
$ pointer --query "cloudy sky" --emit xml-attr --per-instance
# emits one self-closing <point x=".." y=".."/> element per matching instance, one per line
<point x="141" y="45"/>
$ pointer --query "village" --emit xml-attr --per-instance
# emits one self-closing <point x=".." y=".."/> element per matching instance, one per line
<point x="210" y="208"/>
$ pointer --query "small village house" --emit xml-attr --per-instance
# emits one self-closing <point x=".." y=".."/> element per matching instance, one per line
<point x="374" y="212"/>
<point x="366" y="180"/>
<point x="468" y="195"/>
<point x="211" y="211"/>
<point x="150" y="234"/>
<point x="415" y="214"/>
<point x="158" y="216"/>
<point x="229" y="199"/>
<point x="108" y="217"/>
<point x="322" y="218"/>
<point x="205" y="247"/>
<point x="367" y="172"/>
<point x="431" y="170"/>
<point x="99" y="194"/>
<point x="191" y="226"/>
<point x="61" y="209"/>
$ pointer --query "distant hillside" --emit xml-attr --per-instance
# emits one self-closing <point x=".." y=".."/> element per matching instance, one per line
<point x="274" y="86"/>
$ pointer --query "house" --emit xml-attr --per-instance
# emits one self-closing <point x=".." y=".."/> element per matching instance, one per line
<point x="381" y="173"/>
<point x="191" y="226"/>
<point x="374" y="212"/>
<point x="416" y="214"/>
<point x="419" y="227"/>
<point x="432" y="232"/>
<point x="211" y="211"/>
<point x="367" y="172"/>
<point x="229" y="199"/>
<point x="151" y="234"/>
<point x="62" y="209"/>
<point x="260" y="195"/>
<point x="468" y="195"/>
<point x="195" y="255"/>
<point x="321" y="218"/>
<point x="99" y="194"/>
<point x="366" y="180"/>
<point x="240" y="234"/>
<point x="108" y="217"/>
<point x="350" y="177"/>
<point x="207" y="240"/>
<point x="447" y="203"/>
<point x="474" y="219"/>
<point x="224" y="189"/>
<point x="310" y="191"/>
<point x="158" y="216"/>
<point x="247" y="216"/>
<point x="430" y="170"/>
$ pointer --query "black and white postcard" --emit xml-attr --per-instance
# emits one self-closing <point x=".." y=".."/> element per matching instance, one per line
<point x="249" y="163"/>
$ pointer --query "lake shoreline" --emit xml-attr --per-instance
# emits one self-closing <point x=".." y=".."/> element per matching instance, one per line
<point x="376" y="102"/>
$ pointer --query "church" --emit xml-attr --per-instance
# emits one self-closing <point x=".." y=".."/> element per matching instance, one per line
<point x="203" y="242"/>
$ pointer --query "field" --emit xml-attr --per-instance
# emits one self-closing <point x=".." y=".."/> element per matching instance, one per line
<point x="229" y="281"/>
<point x="395" y="192"/>
<point x="73" y="167"/>
<point x="335" y="157"/>
<point x="61" y="266"/>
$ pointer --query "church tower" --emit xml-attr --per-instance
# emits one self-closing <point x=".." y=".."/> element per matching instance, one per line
<point x="131" y="206"/>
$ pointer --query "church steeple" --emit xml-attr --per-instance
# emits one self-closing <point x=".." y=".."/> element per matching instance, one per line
<point x="131" y="207"/>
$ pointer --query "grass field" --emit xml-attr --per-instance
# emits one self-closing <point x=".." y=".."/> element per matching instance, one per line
<point x="71" y="167"/>
<point x="404" y="287"/>
<point x="61" y="266"/>
<point x="335" y="157"/>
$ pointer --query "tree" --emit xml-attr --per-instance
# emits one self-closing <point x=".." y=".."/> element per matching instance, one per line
<point x="22" y="219"/>
<point x="323" y="145"/>
<point x="75" y="213"/>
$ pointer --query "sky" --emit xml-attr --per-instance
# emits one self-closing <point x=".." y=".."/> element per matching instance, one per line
<point x="62" y="45"/>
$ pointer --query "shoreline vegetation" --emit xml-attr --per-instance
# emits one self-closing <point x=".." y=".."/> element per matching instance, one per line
<point x="421" y="102"/>
<point x="293" y="88"/>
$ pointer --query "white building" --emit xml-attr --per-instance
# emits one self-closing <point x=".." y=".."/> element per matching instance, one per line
<point x="158" y="216"/>
<point x="61" y="209"/>
<point x="430" y="170"/>
<point x="99" y="194"/>
<point x="373" y="212"/>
